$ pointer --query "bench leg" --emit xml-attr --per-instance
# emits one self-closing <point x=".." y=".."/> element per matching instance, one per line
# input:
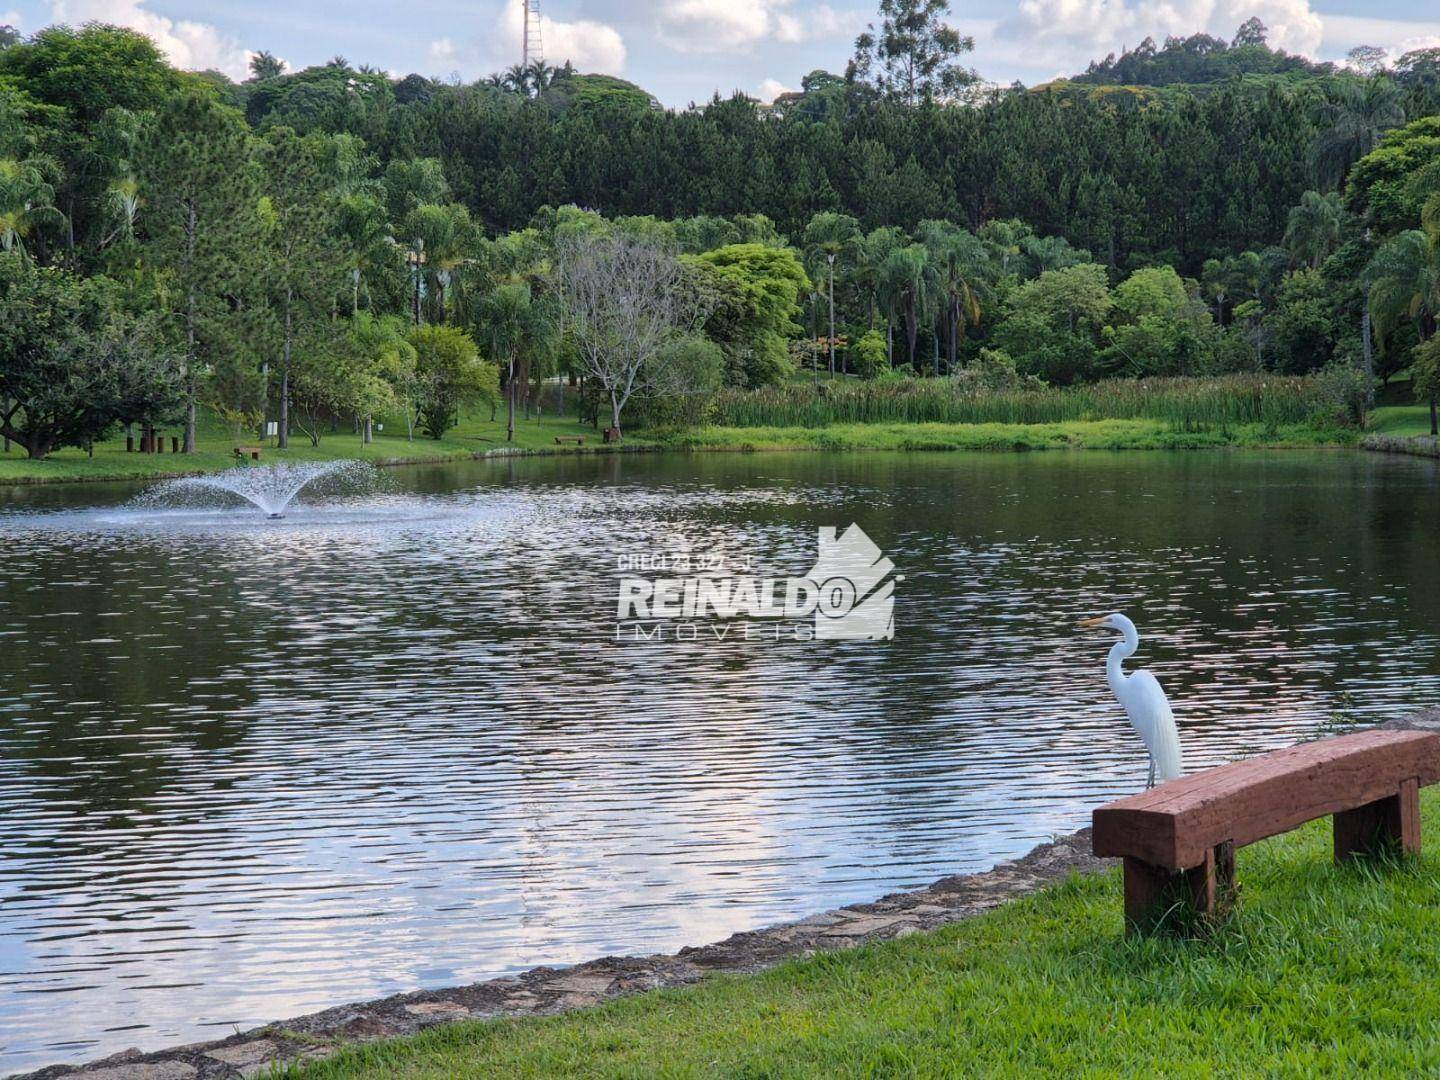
<point x="1156" y="897"/>
<point x="1389" y="823"/>
<point x="1225" y="890"/>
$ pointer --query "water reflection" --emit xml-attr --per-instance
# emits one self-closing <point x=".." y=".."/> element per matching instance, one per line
<point x="251" y="768"/>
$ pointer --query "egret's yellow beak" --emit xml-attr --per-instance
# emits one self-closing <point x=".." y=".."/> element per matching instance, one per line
<point x="1099" y="620"/>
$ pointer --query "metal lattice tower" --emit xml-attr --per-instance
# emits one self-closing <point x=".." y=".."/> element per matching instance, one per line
<point x="533" y="50"/>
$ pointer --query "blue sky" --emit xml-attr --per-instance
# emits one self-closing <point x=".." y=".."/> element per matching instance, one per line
<point x="683" y="50"/>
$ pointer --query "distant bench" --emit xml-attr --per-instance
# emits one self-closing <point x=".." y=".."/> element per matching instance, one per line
<point x="578" y="440"/>
<point x="252" y="452"/>
<point x="1178" y="840"/>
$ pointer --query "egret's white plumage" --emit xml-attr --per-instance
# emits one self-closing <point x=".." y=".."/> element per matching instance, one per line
<point x="1144" y="702"/>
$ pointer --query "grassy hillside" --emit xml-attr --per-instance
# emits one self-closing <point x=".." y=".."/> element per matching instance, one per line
<point x="1400" y="420"/>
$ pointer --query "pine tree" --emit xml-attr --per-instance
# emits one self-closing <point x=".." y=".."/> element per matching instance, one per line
<point x="200" y="186"/>
<point x="303" y="264"/>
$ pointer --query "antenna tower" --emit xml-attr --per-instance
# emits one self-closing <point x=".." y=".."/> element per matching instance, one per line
<point x="532" y="49"/>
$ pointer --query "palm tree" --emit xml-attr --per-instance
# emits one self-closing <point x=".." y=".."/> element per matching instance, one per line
<point x="1215" y="282"/>
<point x="829" y="237"/>
<point x="265" y="65"/>
<point x="522" y="258"/>
<point x="444" y="234"/>
<point x="361" y="222"/>
<point x="964" y="264"/>
<point x="871" y="251"/>
<point x="122" y="205"/>
<point x="27" y="197"/>
<point x="505" y="311"/>
<point x="517" y="78"/>
<point x="1403" y="282"/>
<point x="1355" y="120"/>
<point x="1003" y="239"/>
<point x="1314" y="228"/>
<point x="1247" y="281"/>
<point x="910" y="282"/>
<point x="540" y="76"/>
<point x="1051" y="253"/>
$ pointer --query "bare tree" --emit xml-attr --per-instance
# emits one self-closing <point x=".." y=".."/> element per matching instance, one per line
<point x="625" y="303"/>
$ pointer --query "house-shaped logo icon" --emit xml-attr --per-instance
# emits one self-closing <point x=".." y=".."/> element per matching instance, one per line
<point x="856" y="602"/>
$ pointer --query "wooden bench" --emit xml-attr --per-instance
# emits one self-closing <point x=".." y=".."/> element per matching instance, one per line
<point x="1178" y="840"/>
<point x="252" y="452"/>
<point x="578" y="440"/>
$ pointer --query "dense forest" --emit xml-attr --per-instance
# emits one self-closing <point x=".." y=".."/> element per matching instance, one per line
<point x="327" y="245"/>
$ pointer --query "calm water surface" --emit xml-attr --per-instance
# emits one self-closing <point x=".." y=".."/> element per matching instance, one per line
<point x="253" y="768"/>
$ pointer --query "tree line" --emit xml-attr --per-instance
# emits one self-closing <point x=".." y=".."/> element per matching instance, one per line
<point x="335" y="243"/>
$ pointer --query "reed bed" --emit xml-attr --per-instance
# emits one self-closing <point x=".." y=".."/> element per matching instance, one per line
<point x="1185" y="404"/>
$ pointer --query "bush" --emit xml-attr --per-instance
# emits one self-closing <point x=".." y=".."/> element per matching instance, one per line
<point x="449" y="374"/>
<point x="992" y="371"/>
<point x="1343" y="394"/>
<point x="1425" y="372"/>
<point x="696" y="363"/>
<point x="870" y="355"/>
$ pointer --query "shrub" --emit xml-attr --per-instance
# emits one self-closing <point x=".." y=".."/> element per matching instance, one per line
<point x="870" y="355"/>
<point x="1343" y="394"/>
<point x="449" y="374"/>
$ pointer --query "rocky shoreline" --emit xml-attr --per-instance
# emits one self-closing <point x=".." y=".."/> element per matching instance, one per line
<point x="1415" y="445"/>
<point x="545" y="991"/>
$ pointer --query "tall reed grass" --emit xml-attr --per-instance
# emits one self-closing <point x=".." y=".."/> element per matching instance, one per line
<point x="1186" y="404"/>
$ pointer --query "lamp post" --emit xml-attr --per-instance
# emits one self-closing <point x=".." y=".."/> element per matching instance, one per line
<point x="830" y="345"/>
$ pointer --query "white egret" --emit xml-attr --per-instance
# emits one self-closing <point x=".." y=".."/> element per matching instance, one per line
<point x="1145" y="703"/>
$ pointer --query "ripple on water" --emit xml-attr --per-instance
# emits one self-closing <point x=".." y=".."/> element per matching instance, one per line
<point x="251" y="768"/>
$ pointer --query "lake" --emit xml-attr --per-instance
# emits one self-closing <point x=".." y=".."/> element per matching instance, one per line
<point x="253" y="768"/>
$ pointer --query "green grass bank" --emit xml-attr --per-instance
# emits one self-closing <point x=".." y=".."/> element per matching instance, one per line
<point x="477" y="435"/>
<point x="1324" y="970"/>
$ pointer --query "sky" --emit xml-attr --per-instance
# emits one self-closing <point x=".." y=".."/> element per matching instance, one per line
<point x="686" y="50"/>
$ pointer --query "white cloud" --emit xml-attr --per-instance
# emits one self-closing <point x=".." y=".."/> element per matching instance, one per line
<point x="1396" y="36"/>
<point x="444" y="50"/>
<point x="11" y="19"/>
<point x="1064" y="35"/>
<point x="717" y="26"/>
<point x="195" y="46"/>
<point x="770" y="89"/>
<point x="1069" y="33"/>
<point x="590" y="46"/>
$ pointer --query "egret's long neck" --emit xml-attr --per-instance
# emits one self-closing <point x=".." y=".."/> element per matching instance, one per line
<point x="1126" y="646"/>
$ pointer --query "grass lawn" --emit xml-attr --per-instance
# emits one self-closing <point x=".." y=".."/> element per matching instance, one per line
<point x="1324" y="970"/>
<point x="215" y="443"/>
<point x="1400" y="420"/>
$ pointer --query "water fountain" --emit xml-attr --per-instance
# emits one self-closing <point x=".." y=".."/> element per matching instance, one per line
<point x="270" y="488"/>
